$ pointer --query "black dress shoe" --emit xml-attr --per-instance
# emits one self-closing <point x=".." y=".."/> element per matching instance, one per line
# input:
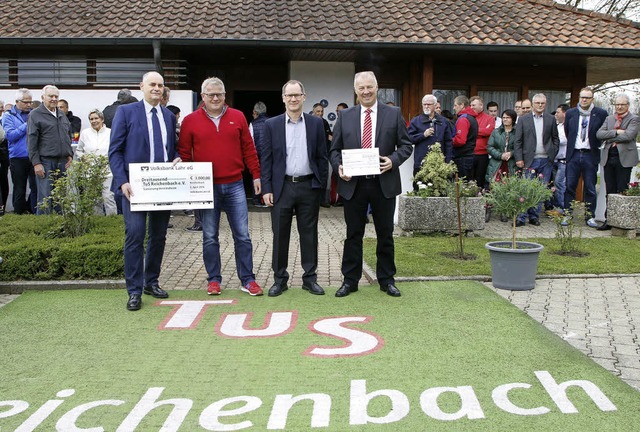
<point x="604" y="227"/>
<point x="156" y="291"/>
<point x="313" y="288"/>
<point x="195" y="227"/>
<point x="520" y="223"/>
<point x="535" y="222"/>
<point x="276" y="290"/>
<point x="134" y="303"/>
<point x="391" y="290"/>
<point x="345" y="290"/>
<point x="325" y="205"/>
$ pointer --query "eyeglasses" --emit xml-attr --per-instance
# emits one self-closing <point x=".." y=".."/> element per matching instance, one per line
<point x="24" y="101"/>
<point x="294" y="95"/>
<point x="621" y="105"/>
<point x="214" y="95"/>
<point x="586" y="97"/>
<point x="427" y="104"/>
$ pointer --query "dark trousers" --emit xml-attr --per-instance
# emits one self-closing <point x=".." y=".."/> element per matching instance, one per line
<point x="581" y="163"/>
<point x="465" y="166"/>
<point x="4" y="179"/>
<point x="479" y="169"/>
<point x="142" y="269"/>
<point x="368" y="192"/>
<point x="21" y="174"/>
<point x="305" y="201"/>
<point x="616" y="176"/>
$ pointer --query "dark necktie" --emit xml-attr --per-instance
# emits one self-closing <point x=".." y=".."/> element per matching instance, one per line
<point x="158" y="147"/>
<point x="366" y="130"/>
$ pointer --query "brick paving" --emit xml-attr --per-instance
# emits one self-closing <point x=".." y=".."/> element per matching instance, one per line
<point x="599" y="315"/>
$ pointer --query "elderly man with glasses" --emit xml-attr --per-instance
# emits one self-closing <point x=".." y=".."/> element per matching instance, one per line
<point x="14" y="123"/>
<point x="583" y="152"/>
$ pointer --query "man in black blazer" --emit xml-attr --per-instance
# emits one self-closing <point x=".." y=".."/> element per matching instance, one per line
<point x="535" y="148"/>
<point x="142" y="132"/>
<point x="294" y="173"/>
<point x="389" y="135"/>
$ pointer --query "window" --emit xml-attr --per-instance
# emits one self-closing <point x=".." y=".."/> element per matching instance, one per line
<point x="446" y="97"/>
<point x="40" y="72"/>
<point x="554" y="98"/>
<point x="122" y="71"/>
<point x="389" y="95"/>
<point x="4" y="72"/>
<point x="504" y="99"/>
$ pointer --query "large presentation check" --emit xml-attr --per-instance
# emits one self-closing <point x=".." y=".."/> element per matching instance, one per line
<point x="163" y="186"/>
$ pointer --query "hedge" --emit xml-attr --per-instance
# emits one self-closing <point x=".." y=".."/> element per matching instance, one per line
<point x="31" y="253"/>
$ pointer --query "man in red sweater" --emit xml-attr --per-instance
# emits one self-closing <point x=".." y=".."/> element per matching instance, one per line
<point x="486" y="124"/>
<point x="219" y="134"/>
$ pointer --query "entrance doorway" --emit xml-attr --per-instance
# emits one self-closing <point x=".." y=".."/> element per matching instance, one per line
<point x="245" y="100"/>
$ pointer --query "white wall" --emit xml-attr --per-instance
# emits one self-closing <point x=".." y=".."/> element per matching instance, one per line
<point x="330" y="81"/>
<point x="83" y="101"/>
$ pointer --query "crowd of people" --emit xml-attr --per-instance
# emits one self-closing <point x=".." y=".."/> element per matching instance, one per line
<point x="295" y="161"/>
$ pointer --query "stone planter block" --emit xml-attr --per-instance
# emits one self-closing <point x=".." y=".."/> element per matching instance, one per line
<point x="623" y="211"/>
<point x="439" y="214"/>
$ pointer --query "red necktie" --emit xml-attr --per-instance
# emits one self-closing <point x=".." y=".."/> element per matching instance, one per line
<point x="366" y="131"/>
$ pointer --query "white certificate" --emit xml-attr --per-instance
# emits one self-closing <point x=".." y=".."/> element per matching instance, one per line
<point x="358" y="162"/>
<point x="163" y="186"/>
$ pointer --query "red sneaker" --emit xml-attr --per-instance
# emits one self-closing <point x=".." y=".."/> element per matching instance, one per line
<point x="213" y="288"/>
<point x="252" y="288"/>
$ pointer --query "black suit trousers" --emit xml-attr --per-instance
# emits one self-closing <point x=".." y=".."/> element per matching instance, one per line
<point x="305" y="201"/>
<point x="368" y="192"/>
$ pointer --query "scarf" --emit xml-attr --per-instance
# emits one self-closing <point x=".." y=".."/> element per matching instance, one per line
<point x="587" y="112"/>
<point x="619" y="120"/>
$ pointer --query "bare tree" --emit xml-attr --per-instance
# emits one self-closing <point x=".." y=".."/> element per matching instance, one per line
<point x="629" y="9"/>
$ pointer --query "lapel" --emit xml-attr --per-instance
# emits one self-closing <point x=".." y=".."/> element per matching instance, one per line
<point x="379" y="119"/>
<point x="357" y="112"/>
<point x="311" y="142"/>
<point x="142" y="121"/>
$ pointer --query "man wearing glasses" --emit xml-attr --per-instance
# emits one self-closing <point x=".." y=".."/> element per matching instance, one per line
<point x="219" y="134"/>
<point x="583" y="152"/>
<point x="620" y="153"/>
<point x="14" y="123"/>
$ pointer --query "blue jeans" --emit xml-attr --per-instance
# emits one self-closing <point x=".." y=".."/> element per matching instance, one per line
<point x="559" y="180"/>
<point x="582" y="163"/>
<point x="232" y="199"/>
<point x="537" y="167"/>
<point x="142" y="270"/>
<point x="45" y="184"/>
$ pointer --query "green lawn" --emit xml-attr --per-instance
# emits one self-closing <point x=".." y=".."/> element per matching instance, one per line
<point x="422" y="256"/>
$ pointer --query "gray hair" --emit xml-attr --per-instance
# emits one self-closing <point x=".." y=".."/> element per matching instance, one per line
<point x="624" y="96"/>
<point x="538" y="96"/>
<point x="429" y="96"/>
<point x="213" y="81"/>
<point x="462" y="99"/>
<point x="49" y="87"/>
<point x="22" y="93"/>
<point x="293" y="82"/>
<point x="260" y="107"/>
<point x="364" y="75"/>
<point x="96" y="111"/>
<point x="123" y="95"/>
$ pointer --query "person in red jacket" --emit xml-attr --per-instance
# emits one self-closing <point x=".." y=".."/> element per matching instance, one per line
<point x="219" y="134"/>
<point x="464" y="139"/>
<point x="486" y="124"/>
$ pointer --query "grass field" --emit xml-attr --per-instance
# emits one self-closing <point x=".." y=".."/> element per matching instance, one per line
<point x="446" y="356"/>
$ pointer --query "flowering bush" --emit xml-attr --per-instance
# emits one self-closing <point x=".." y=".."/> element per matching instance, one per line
<point x="634" y="189"/>
<point x="515" y="194"/>
<point x="435" y="178"/>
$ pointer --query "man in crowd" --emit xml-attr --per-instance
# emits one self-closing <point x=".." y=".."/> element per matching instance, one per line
<point x="486" y="124"/>
<point x="256" y="128"/>
<point x="493" y="111"/>
<point x="110" y="111"/>
<point x="559" y="164"/>
<point x="318" y="111"/>
<point x="517" y="107"/>
<point x="142" y="132"/>
<point x="526" y="107"/>
<point x="49" y="144"/>
<point x="367" y="125"/>
<point x="219" y="134"/>
<point x="76" y="123"/>
<point x="429" y="128"/>
<point x="464" y="139"/>
<point x="14" y="123"/>
<point x="294" y="175"/>
<point x="583" y="152"/>
<point x="619" y="154"/>
<point x="535" y="149"/>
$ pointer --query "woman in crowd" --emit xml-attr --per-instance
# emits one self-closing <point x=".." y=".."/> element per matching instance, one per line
<point x="500" y="150"/>
<point x="95" y="140"/>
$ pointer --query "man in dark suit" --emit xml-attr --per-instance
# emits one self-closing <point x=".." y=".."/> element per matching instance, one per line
<point x="535" y="149"/>
<point x="294" y="172"/>
<point x="370" y="124"/>
<point x="583" y="151"/>
<point x="142" y="132"/>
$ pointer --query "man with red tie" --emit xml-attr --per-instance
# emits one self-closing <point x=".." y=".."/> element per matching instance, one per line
<point x="367" y="125"/>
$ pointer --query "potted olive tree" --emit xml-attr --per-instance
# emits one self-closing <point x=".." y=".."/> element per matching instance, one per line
<point x="514" y="263"/>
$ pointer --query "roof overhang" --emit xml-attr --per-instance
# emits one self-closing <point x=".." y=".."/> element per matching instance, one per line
<point x="602" y="70"/>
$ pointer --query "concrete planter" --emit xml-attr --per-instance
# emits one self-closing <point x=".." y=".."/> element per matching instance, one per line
<point x="623" y="211"/>
<point x="419" y="214"/>
<point x="514" y="269"/>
